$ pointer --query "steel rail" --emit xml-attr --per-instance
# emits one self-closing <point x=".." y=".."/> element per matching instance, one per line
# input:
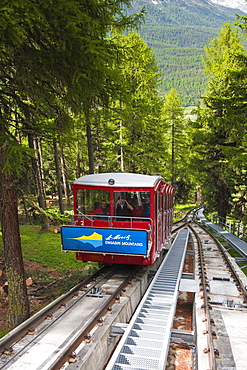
<point x="206" y="306"/>
<point x="61" y="303"/>
<point x="20" y="331"/>
<point x="184" y="220"/>
<point x="179" y="227"/>
<point x="230" y="265"/>
<point x="64" y="353"/>
<point x="71" y="347"/>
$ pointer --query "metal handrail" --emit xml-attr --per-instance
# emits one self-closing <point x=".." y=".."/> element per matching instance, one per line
<point x="92" y="218"/>
<point x="233" y="227"/>
<point x="112" y="219"/>
<point x="83" y="214"/>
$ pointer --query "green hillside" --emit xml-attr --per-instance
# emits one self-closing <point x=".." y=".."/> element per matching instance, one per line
<point x="178" y="31"/>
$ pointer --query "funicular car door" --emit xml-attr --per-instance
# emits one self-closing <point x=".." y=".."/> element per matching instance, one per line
<point x="164" y="213"/>
<point x="171" y="193"/>
<point x="159" y="217"/>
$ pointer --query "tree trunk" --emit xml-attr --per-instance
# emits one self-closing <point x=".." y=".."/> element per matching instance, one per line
<point x="65" y="181"/>
<point x="36" y="171"/>
<point x="58" y="176"/>
<point x="40" y="174"/>
<point x="78" y="164"/>
<point x="223" y="198"/>
<point x="18" y="305"/>
<point x="173" y="180"/>
<point x="89" y="141"/>
<point x="121" y="147"/>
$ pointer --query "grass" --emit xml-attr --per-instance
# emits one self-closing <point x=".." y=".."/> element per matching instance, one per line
<point x="233" y="253"/>
<point x="180" y="210"/>
<point x="45" y="247"/>
<point x="46" y="264"/>
<point x="243" y="269"/>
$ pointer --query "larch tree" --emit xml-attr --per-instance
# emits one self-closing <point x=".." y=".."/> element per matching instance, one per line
<point x="134" y="113"/>
<point x="53" y="62"/>
<point x="125" y="130"/>
<point x="174" y="133"/>
<point x="219" y="129"/>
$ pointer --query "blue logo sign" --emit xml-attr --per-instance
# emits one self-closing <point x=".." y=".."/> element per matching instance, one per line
<point x="104" y="240"/>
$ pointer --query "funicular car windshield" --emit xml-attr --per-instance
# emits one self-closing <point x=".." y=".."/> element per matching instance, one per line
<point x="132" y="204"/>
<point x="95" y="203"/>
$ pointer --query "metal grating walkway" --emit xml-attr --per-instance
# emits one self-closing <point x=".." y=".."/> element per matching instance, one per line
<point x="145" y="343"/>
<point x="235" y="242"/>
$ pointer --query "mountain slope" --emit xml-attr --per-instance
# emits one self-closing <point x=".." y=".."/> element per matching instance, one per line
<point x="235" y="4"/>
<point x="178" y="31"/>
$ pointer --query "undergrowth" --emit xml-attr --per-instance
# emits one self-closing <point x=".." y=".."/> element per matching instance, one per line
<point x="180" y="210"/>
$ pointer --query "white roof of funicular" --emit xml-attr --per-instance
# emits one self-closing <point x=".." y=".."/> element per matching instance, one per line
<point x="120" y="180"/>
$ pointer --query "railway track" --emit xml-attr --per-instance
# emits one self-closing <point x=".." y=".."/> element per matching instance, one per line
<point x="204" y="288"/>
<point x="101" y="306"/>
<point x="219" y="305"/>
<point x="61" y="334"/>
<point x="48" y="311"/>
<point x="50" y="339"/>
<point x="145" y="342"/>
<point x="221" y="297"/>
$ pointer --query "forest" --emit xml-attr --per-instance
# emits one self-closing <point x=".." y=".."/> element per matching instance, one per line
<point x="80" y="94"/>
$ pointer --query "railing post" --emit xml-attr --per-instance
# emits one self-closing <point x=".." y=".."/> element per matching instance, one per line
<point x="244" y="233"/>
<point x="233" y="227"/>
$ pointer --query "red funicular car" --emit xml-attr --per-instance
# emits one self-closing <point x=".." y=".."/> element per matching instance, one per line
<point x="121" y="218"/>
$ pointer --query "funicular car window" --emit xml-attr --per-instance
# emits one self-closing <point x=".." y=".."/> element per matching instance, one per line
<point x="135" y="204"/>
<point x="90" y="201"/>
